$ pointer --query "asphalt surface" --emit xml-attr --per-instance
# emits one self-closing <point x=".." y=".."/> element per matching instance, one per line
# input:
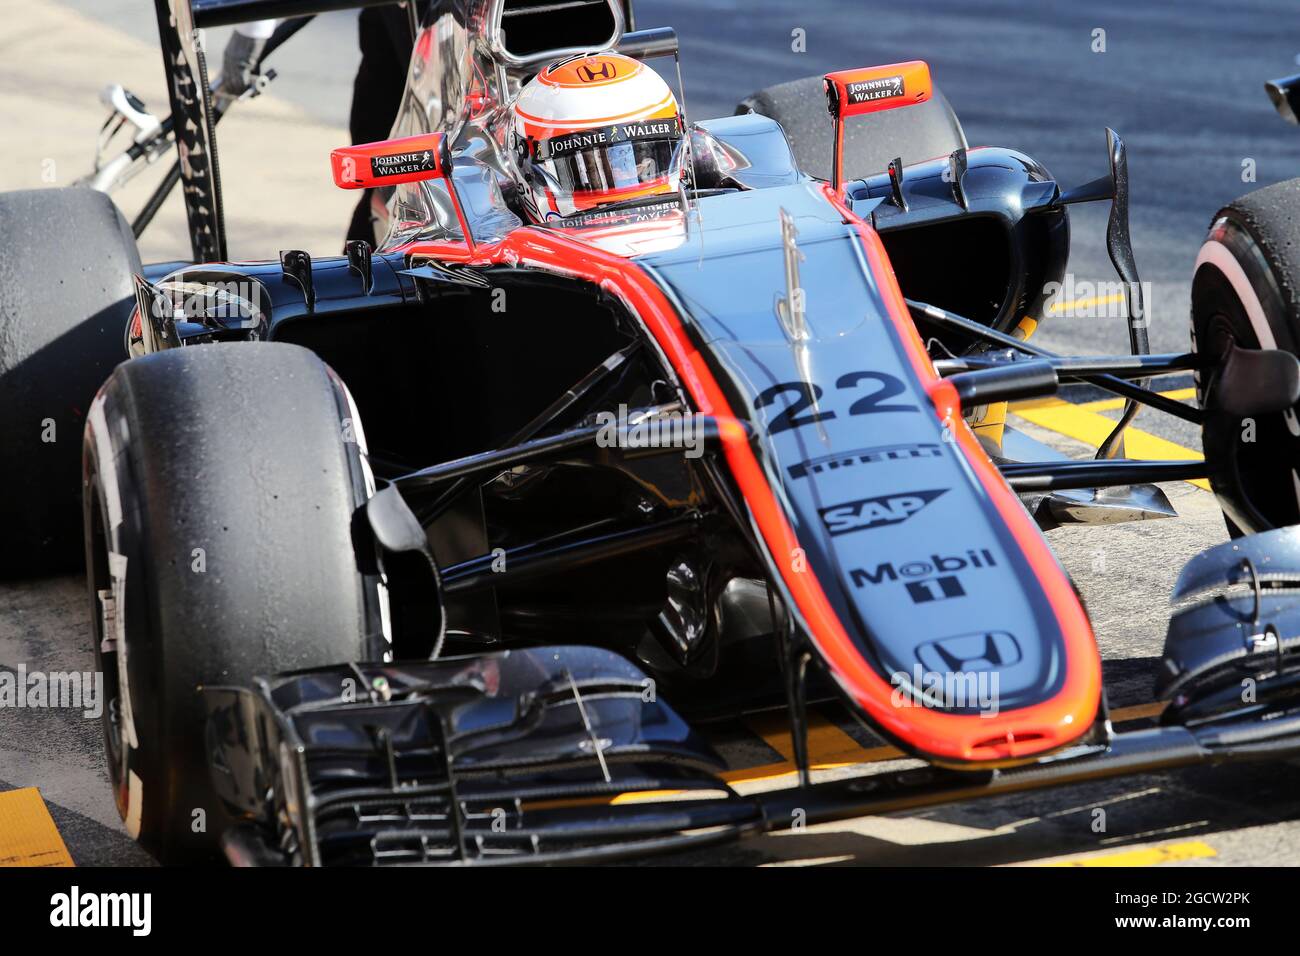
<point x="1181" y="83"/>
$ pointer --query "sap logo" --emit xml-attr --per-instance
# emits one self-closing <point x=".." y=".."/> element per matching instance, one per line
<point x="876" y="512"/>
<point x="964" y="653"/>
<point x="926" y="581"/>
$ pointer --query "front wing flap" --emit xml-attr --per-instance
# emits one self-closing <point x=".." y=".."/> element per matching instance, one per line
<point x="525" y="756"/>
<point x="1236" y="644"/>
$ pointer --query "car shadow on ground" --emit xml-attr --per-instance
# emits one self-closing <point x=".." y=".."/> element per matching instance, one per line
<point x="1093" y="819"/>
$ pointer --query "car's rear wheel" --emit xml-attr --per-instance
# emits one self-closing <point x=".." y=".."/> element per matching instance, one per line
<point x="66" y="295"/>
<point x="1246" y="292"/>
<point x="917" y="133"/>
<point x="220" y="487"/>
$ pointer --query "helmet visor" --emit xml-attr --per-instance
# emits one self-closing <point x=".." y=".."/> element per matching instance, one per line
<point x="612" y="158"/>
<point x="607" y="168"/>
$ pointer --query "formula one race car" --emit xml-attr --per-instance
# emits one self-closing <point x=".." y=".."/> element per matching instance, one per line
<point x="441" y="550"/>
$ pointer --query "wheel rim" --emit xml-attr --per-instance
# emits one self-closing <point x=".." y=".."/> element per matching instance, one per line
<point x="106" y="662"/>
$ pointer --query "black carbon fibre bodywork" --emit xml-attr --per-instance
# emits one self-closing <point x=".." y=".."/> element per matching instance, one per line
<point x="1003" y="238"/>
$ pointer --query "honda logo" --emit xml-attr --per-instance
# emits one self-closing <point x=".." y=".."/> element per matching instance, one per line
<point x="602" y="70"/>
<point x="964" y="653"/>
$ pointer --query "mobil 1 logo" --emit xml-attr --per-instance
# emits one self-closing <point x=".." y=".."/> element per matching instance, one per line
<point x="938" y="577"/>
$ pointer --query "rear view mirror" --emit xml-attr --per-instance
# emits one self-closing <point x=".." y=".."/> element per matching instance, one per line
<point x="870" y="90"/>
<point x="1285" y="94"/>
<point x="390" y="162"/>
<point x="875" y="88"/>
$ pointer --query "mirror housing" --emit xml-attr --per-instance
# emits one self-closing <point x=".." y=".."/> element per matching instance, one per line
<point x="870" y="90"/>
<point x="875" y="88"/>
<point x="390" y="162"/>
<point x="1285" y="94"/>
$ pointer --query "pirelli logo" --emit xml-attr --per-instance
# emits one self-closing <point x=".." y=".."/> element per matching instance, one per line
<point x="884" y="88"/>
<point x="864" y="456"/>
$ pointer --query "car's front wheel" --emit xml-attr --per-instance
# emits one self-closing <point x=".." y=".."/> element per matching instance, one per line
<point x="1246" y="293"/>
<point x="220" y="483"/>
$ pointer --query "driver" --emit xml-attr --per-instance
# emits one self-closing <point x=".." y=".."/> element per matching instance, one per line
<point x="594" y="130"/>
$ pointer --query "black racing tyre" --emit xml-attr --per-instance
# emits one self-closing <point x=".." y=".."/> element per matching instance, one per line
<point x="1246" y="290"/>
<point x="66" y="260"/>
<point x="220" y="486"/>
<point x="917" y="133"/>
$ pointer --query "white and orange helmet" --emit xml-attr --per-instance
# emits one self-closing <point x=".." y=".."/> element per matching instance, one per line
<point x="593" y="130"/>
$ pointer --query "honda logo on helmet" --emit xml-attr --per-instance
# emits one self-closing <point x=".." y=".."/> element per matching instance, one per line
<point x="603" y="70"/>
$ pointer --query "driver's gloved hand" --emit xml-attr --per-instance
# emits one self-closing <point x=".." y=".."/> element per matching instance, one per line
<point x="238" y="64"/>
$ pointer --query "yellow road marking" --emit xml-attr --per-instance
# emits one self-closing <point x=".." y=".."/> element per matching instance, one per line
<point x="1138" y="711"/>
<point x="28" y="836"/>
<point x="826" y="742"/>
<point x="1036" y="403"/>
<point x="786" y="768"/>
<point x="1101" y="405"/>
<point x="1028" y="325"/>
<point x="1078" y="422"/>
<point x="1145" y="856"/>
<point x="644" y="796"/>
<point x="1115" y="404"/>
<point x="1056" y="308"/>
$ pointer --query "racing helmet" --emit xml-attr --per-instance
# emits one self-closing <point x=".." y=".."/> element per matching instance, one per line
<point x="592" y="130"/>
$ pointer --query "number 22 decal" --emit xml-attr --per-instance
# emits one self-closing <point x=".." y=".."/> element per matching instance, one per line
<point x="807" y="395"/>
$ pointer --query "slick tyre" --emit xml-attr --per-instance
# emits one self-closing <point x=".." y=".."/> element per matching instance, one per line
<point x="66" y="295"/>
<point x="1246" y="290"/>
<point x="220" y="486"/>
<point x="919" y="132"/>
